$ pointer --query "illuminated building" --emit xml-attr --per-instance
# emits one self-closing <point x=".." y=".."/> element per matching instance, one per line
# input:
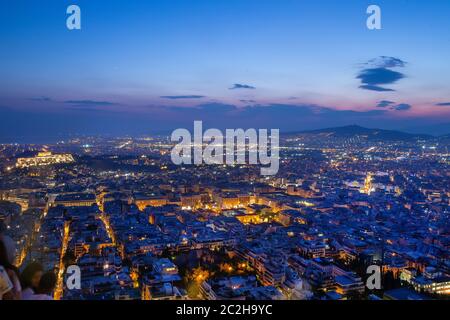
<point x="440" y="285"/>
<point x="249" y="218"/>
<point x="165" y="267"/>
<point x="191" y="201"/>
<point x="296" y="191"/>
<point x="407" y="274"/>
<point x="270" y="266"/>
<point x="145" y="200"/>
<point x="75" y="200"/>
<point x="287" y="217"/>
<point x="44" y="159"/>
<point x="21" y="199"/>
<point x="368" y="188"/>
<point x="348" y="283"/>
<point x="228" y="200"/>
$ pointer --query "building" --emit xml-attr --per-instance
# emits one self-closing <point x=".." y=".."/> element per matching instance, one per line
<point x="44" y="158"/>
<point x="348" y="283"/>
<point x="439" y="285"/>
<point x="403" y="294"/>
<point x="149" y="200"/>
<point x="75" y="200"/>
<point x="229" y="288"/>
<point x="163" y="291"/>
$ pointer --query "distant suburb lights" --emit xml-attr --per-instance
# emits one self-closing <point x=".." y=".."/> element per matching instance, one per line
<point x="73" y="21"/>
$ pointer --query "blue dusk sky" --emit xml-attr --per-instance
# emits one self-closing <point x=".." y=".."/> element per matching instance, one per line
<point x="140" y="66"/>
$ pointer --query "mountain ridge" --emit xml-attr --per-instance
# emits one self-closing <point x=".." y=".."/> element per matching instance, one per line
<point x="371" y="133"/>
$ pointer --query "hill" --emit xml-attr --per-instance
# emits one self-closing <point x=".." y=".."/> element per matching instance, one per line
<point x="371" y="134"/>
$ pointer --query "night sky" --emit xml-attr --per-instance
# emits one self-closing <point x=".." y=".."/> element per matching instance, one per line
<point x="143" y="66"/>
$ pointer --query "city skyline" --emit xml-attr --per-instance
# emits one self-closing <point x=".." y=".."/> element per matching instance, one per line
<point x="346" y="210"/>
<point x="143" y="67"/>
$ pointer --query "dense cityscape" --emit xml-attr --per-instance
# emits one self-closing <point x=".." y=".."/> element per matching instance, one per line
<point x="140" y="227"/>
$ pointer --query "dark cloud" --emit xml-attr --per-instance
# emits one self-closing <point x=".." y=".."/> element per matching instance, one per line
<point x="207" y="108"/>
<point x="247" y="101"/>
<point x="402" y="107"/>
<point x="385" y="103"/>
<point x="377" y="73"/>
<point x="375" y="88"/>
<point x="40" y="99"/>
<point x="182" y="97"/>
<point x="386" y="62"/>
<point x="443" y="104"/>
<point x="371" y="79"/>
<point x="90" y="103"/>
<point x="241" y="86"/>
